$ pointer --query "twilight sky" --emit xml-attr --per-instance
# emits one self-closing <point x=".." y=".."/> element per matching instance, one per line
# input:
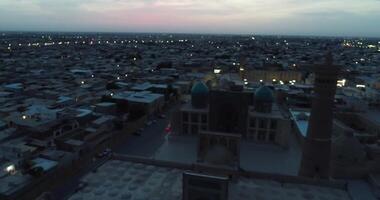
<point x="304" y="17"/>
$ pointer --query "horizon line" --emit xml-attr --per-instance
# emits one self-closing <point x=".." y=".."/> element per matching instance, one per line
<point x="191" y="33"/>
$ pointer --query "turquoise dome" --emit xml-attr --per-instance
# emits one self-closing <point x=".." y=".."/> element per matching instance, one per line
<point x="199" y="88"/>
<point x="264" y="94"/>
<point x="199" y="95"/>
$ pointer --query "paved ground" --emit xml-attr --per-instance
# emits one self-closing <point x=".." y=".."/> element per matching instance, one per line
<point x="360" y="189"/>
<point x="147" y="143"/>
<point x="271" y="158"/>
<point x="65" y="190"/>
<point x="117" y="180"/>
<point x="178" y="149"/>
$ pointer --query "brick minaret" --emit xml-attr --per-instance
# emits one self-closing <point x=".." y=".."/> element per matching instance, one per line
<point x="317" y="147"/>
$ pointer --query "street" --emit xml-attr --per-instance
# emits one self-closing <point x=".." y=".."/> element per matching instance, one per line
<point x="150" y="140"/>
<point x="146" y="144"/>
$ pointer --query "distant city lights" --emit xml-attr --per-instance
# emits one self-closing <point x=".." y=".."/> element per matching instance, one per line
<point x="292" y="82"/>
<point x="360" y="86"/>
<point x="341" y="83"/>
<point x="217" y="71"/>
<point x="11" y="169"/>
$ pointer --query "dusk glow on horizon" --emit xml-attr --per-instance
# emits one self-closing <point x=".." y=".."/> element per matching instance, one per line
<point x="294" y="17"/>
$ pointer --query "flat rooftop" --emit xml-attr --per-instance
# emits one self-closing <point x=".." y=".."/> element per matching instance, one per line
<point x="141" y="97"/>
<point x="189" y="108"/>
<point x="275" y="113"/>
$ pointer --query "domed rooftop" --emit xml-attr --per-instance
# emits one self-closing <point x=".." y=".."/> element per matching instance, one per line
<point x="199" y="95"/>
<point x="199" y="88"/>
<point x="264" y="94"/>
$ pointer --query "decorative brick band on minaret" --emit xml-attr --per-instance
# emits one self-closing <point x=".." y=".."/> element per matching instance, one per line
<point x="317" y="147"/>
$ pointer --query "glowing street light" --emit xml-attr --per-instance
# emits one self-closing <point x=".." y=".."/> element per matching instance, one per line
<point x="360" y="86"/>
<point x="11" y="169"/>
<point x="341" y="83"/>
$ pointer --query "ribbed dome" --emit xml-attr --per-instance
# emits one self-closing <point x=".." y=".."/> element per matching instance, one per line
<point x="264" y="94"/>
<point x="199" y="88"/>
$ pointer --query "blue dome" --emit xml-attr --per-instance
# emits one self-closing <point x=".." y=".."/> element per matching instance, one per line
<point x="199" y="95"/>
<point x="199" y="88"/>
<point x="264" y="94"/>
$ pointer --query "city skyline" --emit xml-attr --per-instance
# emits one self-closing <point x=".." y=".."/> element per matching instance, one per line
<point x="289" y="17"/>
